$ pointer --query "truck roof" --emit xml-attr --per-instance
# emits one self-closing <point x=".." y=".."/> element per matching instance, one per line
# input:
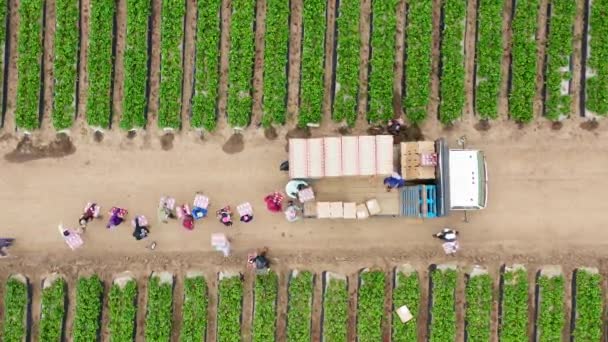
<point x="464" y="177"/>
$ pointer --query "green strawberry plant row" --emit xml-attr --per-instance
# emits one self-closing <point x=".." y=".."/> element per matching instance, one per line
<point x="242" y="53"/>
<point x="159" y="316"/>
<point x="87" y="319"/>
<point x="551" y="311"/>
<point x="206" y="77"/>
<point x="100" y="63"/>
<point x="523" y="65"/>
<point x="488" y="58"/>
<point x="16" y="300"/>
<point x="135" y="101"/>
<point x="406" y="292"/>
<point x="171" y="38"/>
<point x="299" y="307"/>
<point x="276" y="49"/>
<point x="514" y="315"/>
<point x="29" y="62"/>
<point x="478" y="309"/>
<point x="53" y="311"/>
<point x="194" y="315"/>
<point x="230" y="304"/>
<point x="589" y="306"/>
<point x="419" y="32"/>
<point x="312" y="87"/>
<point x="266" y="290"/>
<point x="67" y="46"/>
<point x="443" y="305"/>
<point x="452" y="60"/>
<point x="122" y="312"/>
<point x="370" y="310"/>
<point x="348" y="58"/>
<point x="597" y="86"/>
<point x="335" y="310"/>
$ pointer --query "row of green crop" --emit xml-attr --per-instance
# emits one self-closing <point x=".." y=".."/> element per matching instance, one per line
<point x="264" y="310"/>
<point x="452" y="61"/>
<point x="514" y="320"/>
<point x="443" y="308"/>
<point x="299" y="310"/>
<point x="551" y="311"/>
<point x="523" y="65"/>
<point x="559" y="52"/>
<point x="230" y="304"/>
<point x="159" y="314"/>
<point x="597" y="86"/>
<point x="488" y="58"/>
<point x="122" y="311"/>
<point x="206" y="78"/>
<point x="67" y="41"/>
<point x="15" y="309"/>
<point x="589" y="307"/>
<point x="242" y="52"/>
<point x="29" y="63"/>
<point x="335" y="310"/>
<point x="194" y="315"/>
<point x="478" y="312"/>
<point x="313" y="62"/>
<point x="89" y="292"/>
<point x="384" y="32"/>
<point x="370" y="310"/>
<point x="347" y="66"/>
<point x="419" y="32"/>
<point x="136" y="64"/>
<point x="276" y="47"/>
<point x="171" y="38"/>
<point x="406" y="292"/>
<point x="100" y="63"/>
<point x="53" y="311"/>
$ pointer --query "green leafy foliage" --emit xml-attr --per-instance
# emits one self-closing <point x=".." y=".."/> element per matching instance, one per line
<point x="551" y="314"/>
<point x="15" y="309"/>
<point x="443" y="310"/>
<point x="241" y="62"/>
<point x="335" y="311"/>
<point x="514" y="320"/>
<point x="159" y="314"/>
<point x="370" y="311"/>
<point x="588" y="322"/>
<point x="53" y="311"/>
<point x="347" y="67"/>
<point x="276" y="48"/>
<point x="88" y="309"/>
<point x="559" y="51"/>
<point x="136" y="64"/>
<point x="597" y="86"/>
<point x="479" y="308"/>
<point x="452" y="60"/>
<point x="29" y="63"/>
<point x="406" y="292"/>
<point x="100" y="63"/>
<point x="523" y="65"/>
<point x="229" y="309"/>
<point x="488" y="58"/>
<point x="299" y="310"/>
<point x="171" y="37"/>
<point x="313" y="62"/>
<point x="194" y="322"/>
<point x="206" y="82"/>
<point x="419" y="32"/>
<point x="264" y="310"/>
<point x="66" y="58"/>
<point x="122" y="312"/>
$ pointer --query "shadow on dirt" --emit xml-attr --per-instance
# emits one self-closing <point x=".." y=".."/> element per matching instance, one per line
<point x="166" y="141"/>
<point x="26" y="150"/>
<point x="235" y="144"/>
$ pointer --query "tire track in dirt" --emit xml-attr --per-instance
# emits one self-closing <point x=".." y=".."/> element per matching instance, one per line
<point x="154" y="81"/>
<point x="189" y="49"/>
<point x="541" y="47"/>
<point x="119" y="65"/>
<point x="257" y="110"/>
<point x="399" y="67"/>
<point x="83" y="79"/>
<point x="364" y="66"/>
<point x="470" y="39"/>
<point x="11" y="82"/>
<point x="505" y="68"/>
<point x="48" y="81"/>
<point x="224" y="68"/>
<point x="433" y="108"/>
<point x="295" y="63"/>
<point x="329" y="64"/>
<point x="578" y="72"/>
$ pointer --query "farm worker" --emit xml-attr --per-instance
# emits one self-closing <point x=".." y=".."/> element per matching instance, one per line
<point x="291" y="212"/>
<point x="447" y="235"/>
<point x="5" y="243"/>
<point x="225" y="216"/>
<point x="394" y="126"/>
<point x="273" y="202"/>
<point x="260" y="261"/>
<point x="164" y="213"/>
<point x="116" y="218"/>
<point x="89" y="214"/>
<point x="394" y="181"/>
<point x="246" y="218"/>
<point x="141" y="231"/>
<point x="188" y="221"/>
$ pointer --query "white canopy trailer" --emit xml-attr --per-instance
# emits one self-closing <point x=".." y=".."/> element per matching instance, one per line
<point x="468" y="175"/>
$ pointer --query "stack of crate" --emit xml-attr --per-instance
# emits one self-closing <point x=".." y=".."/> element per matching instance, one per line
<point x="411" y="154"/>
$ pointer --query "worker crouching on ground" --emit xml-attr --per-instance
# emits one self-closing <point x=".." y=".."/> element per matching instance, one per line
<point x="450" y="238"/>
<point x="395" y="181"/>
<point x="91" y="211"/>
<point x="141" y="228"/>
<point x="259" y="262"/>
<point x="5" y="243"/>
<point x="117" y="215"/>
<point x="224" y="215"/>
